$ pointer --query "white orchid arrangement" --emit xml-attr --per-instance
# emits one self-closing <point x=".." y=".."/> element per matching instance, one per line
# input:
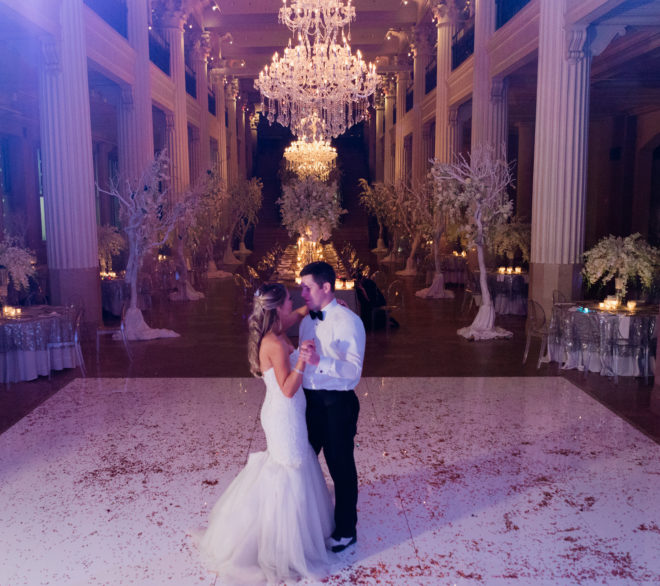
<point x="111" y="243"/>
<point x="621" y="258"/>
<point x="509" y="238"/>
<point x="20" y="262"/>
<point x="310" y="208"/>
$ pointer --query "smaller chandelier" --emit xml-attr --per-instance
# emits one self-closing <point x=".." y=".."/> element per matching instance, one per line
<point x="311" y="159"/>
<point x="316" y="20"/>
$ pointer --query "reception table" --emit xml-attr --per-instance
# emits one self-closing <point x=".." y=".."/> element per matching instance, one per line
<point x="584" y="335"/>
<point x="35" y="342"/>
<point x="508" y="291"/>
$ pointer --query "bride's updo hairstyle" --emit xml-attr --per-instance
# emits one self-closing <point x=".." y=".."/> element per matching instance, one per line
<point x="263" y="319"/>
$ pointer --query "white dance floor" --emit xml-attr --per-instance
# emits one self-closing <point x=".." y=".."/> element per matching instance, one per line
<point x="462" y="481"/>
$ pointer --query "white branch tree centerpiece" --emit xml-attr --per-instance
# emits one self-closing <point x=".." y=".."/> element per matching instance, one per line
<point x="111" y="243"/>
<point x="510" y="237"/>
<point x="473" y="193"/>
<point x="208" y="225"/>
<point x="148" y="219"/>
<point x="376" y="200"/>
<point x="433" y="226"/>
<point x="234" y="213"/>
<point x="621" y="259"/>
<point x="310" y="208"/>
<point x="18" y="261"/>
<point x="250" y="194"/>
<point x="183" y="240"/>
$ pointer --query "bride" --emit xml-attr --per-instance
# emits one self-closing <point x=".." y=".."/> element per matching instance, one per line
<point x="272" y="521"/>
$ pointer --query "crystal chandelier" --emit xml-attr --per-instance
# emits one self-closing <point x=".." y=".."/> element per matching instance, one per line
<point x="307" y="159"/>
<point x="318" y="88"/>
<point x="316" y="19"/>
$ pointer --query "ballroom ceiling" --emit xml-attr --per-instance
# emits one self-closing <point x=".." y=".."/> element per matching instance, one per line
<point x="246" y="33"/>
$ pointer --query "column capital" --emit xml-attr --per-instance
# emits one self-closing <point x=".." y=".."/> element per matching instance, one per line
<point x="216" y="74"/>
<point x="402" y="62"/>
<point x="202" y="46"/>
<point x="388" y="86"/>
<point x="403" y="75"/>
<point x="379" y="100"/>
<point x="231" y="89"/>
<point x="173" y="14"/>
<point x="577" y="45"/>
<point x="51" y="54"/>
<point x="126" y="96"/>
<point x="423" y="40"/>
<point x="444" y="12"/>
<point x="498" y="87"/>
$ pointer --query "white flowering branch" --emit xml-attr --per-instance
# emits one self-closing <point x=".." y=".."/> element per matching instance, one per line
<point x="473" y="193"/>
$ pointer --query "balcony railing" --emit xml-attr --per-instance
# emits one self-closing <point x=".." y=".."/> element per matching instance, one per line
<point x="114" y="13"/>
<point x="212" y="106"/>
<point x="191" y="83"/>
<point x="462" y="46"/>
<point x="507" y="9"/>
<point x="159" y="52"/>
<point x="431" y="75"/>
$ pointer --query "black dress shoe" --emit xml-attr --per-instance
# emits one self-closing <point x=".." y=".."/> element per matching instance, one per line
<point x="337" y="545"/>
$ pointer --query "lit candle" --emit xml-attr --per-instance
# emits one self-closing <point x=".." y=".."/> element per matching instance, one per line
<point x="631" y="305"/>
<point x="518" y="270"/>
<point x="350" y="284"/>
<point x="509" y="270"/>
<point x="501" y="270"/>
<point x="298" y="280"/>
<point x="601" y="305"/>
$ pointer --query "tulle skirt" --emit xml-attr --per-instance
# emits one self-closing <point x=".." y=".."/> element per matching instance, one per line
<point x="270" y="524"/>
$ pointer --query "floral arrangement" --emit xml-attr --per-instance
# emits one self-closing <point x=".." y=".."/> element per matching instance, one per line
<point x="111" y="242"/>
<point x="19" y="262"/>
<point x="622" y="259"/>
<point x="310" y="208"/>
<point x="511" y="237"/>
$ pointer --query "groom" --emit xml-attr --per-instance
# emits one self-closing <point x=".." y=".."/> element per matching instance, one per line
<point x="334" y="365"/>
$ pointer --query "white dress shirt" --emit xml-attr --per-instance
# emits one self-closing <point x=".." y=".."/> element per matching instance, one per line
<point x="340" y="340"/>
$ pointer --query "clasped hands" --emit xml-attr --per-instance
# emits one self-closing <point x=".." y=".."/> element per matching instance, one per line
<point x="308" y="352"/>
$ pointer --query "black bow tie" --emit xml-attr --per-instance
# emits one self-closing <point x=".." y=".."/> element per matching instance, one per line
<point x="316" y="315"/>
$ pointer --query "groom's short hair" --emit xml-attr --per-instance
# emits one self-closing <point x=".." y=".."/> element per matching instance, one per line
<point x="321" y="272"/>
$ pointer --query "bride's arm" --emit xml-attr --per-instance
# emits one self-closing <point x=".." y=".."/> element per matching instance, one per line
<point x="288" y="379"/>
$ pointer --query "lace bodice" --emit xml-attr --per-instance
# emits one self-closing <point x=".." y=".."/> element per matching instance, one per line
<point x="283" y="421"/>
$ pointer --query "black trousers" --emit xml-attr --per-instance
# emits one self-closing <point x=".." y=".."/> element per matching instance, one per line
<point x="331" y="425"/>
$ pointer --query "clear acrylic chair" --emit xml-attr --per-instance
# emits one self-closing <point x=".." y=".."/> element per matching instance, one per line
<point x="537" y="327"/>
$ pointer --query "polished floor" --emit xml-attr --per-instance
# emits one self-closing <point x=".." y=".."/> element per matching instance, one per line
<point x="463" y="480"/>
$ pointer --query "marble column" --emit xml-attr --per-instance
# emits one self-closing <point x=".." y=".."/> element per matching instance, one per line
<point x="482" y="115"/>
<point x="135" y="122"/>
<point x="195" y="153"/>
<point x="560" y="156"/>
<point x="422" y="49"/>
<point x="427" y="149"/>
<point x="525" y="170"/>
<point x="103" y="179"/>
<point x="68" y="173"/>
<point x="231" y="93"/>
<point x="220" y="108"/>
<point x="177" y="136"/>
<point x="240" y="133"/>
<point x="379" y="162"/>
<point x="445" y="23"/>
<point x="202" y="51"/>
<point x="454" y="145"/>
<point x="389" y="91"/>
<point x="402" y="79"/>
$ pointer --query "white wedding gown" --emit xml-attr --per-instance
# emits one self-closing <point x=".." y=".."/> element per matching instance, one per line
<point x="271" y="523"/>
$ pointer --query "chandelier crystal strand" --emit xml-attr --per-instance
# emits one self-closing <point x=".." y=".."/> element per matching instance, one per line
<point x="307" y="159"/>
<point x="316" y="20"/>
